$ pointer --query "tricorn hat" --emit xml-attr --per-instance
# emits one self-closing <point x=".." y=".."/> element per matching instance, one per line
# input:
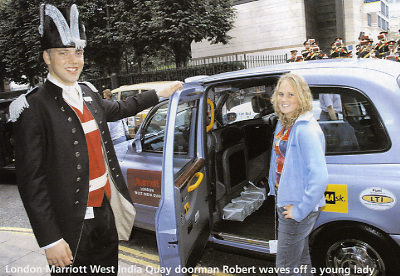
<point x="61" y="28"/>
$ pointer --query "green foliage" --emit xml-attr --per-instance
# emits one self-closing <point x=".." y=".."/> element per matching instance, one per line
<point x="120" y="33"/>
<point x="179" y="23"/>
<point x="19" y="44"/>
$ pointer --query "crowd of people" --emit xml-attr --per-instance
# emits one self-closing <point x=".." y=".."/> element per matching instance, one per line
<point x="382" y="49"/>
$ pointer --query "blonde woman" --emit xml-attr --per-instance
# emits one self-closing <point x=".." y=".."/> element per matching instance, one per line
<point x="298" y="175"/>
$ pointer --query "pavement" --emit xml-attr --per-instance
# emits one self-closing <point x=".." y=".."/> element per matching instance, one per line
<point x="21" y="255"/>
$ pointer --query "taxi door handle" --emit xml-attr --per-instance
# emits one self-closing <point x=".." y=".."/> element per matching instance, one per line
<point x="211" y="104"/>
<point x="193" y="187"/>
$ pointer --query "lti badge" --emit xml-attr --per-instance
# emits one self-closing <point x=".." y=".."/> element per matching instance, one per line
<point x="377" y="198"/>
<point x="336" y="198"/>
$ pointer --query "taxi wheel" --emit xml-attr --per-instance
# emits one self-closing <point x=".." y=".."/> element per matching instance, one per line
<point x="343" y="250"/>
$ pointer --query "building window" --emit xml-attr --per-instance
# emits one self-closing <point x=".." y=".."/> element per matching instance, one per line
<point x="369" y="19"/>
<point x="379" y="22"/>
<point x="383" y="8"/>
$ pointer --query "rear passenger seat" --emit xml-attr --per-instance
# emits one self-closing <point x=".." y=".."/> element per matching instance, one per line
<point x="231" y="162"/>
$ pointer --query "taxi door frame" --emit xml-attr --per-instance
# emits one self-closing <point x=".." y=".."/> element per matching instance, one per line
<point x="175" y="252"/>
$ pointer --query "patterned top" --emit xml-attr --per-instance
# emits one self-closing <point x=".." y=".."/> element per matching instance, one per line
<point x="280" y="147"/>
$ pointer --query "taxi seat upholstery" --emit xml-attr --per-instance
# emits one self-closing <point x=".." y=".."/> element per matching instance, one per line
<point x="231" y="162"/>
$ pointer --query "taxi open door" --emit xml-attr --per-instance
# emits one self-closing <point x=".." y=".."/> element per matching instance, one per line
<point x="183" y="215"/>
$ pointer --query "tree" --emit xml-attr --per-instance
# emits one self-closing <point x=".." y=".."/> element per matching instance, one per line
<point x="19" y="48"/>
<point x="135" y="27"/>
<point x="132" y="29"/>
<point x="104" y="48"/>
<point x="20" y="45"/>
<point x="179" y="23"/>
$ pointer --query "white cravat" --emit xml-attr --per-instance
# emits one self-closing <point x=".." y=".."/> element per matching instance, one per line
<point x="71" y="94"/>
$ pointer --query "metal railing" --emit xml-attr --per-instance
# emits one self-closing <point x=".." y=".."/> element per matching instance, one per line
<point x="246" y="60"/>
<point x="195" y="67"/>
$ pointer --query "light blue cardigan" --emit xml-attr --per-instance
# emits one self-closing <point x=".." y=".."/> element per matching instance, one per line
<point x="304" y="175"/>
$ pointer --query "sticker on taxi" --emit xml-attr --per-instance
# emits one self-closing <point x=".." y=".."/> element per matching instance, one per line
<point x="377" y="198"/>
<point x="336" y="198"/>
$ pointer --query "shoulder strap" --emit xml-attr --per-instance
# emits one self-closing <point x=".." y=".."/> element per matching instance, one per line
<point x="18" y="105"/>
<point x="88" y="84"/>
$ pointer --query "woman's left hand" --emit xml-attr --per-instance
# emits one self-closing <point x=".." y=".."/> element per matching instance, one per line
<point x="288" y="213"/>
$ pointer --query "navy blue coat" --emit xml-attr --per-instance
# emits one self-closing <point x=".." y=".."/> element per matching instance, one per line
<point x="52" y="162"/>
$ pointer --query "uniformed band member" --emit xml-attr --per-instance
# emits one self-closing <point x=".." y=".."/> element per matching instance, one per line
<point x="360" y="39"/>
<point x="339" y="50"/>
<point x="382" y="46"/>
<point x="366" y="50"/>
<point x="315" y="52"/>
<point x="299" y="58"/>
<point x="392" y="54"/>
<point x="364" y="40"/>
<point x="306" y="50"/>
<point x="293" y="56"/>
<point x="67" y="170"/>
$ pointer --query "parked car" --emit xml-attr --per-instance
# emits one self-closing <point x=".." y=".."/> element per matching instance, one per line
<point x="183" y="176"/>
<point x="7" y="161"/>
<point x="121" y="93"/>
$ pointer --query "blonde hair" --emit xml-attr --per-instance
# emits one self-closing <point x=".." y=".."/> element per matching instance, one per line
<point x="107" y="92"/>
<point x="303" y="94"/>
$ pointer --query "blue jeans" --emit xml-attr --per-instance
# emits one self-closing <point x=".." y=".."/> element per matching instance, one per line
<point x="293" y="256"/>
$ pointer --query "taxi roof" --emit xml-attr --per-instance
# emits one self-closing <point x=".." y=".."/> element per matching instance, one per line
<point x="384" y="66"/>
<point x="146" y="85"/>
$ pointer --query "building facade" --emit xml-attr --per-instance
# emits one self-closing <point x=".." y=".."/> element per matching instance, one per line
<point x="376" y="17"/>
<point x="270" y="27"/>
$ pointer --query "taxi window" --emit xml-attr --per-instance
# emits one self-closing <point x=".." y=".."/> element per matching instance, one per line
<point x="115" y="96"/>
<point x="126" y="94"/>
<point x="246" y="104"/>
<point x="349" y="120"/>
<point x="154" y="131"/>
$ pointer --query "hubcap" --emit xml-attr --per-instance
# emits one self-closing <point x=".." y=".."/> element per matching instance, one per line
<point x="354" y="257"/>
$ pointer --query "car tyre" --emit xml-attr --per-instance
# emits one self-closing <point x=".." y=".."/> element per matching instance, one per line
<point x="347" y="248"/>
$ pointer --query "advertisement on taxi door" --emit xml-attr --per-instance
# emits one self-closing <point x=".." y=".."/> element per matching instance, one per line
<point x="144" y="186"/>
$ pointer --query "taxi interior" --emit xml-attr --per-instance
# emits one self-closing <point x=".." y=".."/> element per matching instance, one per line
<point x="239" y="148"/>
